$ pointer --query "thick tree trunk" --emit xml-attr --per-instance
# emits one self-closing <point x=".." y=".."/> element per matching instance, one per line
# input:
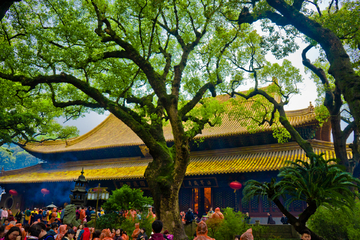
<point x="170" y="215"/>
<point x="163" y="179"/>
<point x="339" y="141"/>
<point x="356" y="145"/>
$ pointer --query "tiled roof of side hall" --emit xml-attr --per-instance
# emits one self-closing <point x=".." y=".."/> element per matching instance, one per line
<point x="112" y="132"/>
<point x="270" y="157"/>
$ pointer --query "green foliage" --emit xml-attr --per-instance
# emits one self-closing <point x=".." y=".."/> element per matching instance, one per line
<point x="25" y="117"/>
<point x="213" y="225"/>
<point x="233" y="224"/>
<point x="322" y="114"/>
<point x="280" y="45"/>
<point x="280" y="133"/>
<point x="250" y="113"/>
<point x="114" y="220"/>
<point x="254" y="188"/>
<point x="344" y="22"/>
<point x="285" y="76"/>
<point x="111" y="220"/>
<point x="259" y="231"/>
<point x="333" y="224"/>
<point x="319" y="180"/>
<point x="126" y="198"/>
<point x="315" y="180"/>
<point x="129" y="224"/>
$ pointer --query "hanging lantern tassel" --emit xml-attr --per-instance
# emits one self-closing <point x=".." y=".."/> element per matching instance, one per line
<point x="13" y="193"/>
<point x="235" y="185"/>
<point x="44" y="191"/>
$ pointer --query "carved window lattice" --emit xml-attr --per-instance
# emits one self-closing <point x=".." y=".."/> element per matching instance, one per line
<point x="245" y="206"/>
<point x="254" y="204"/>
<point x="218" y="199"/>
<point x="265" y="205"/>
<point x="297" y="205"/>
<point x="229" y="199"/>
<point x="185" y="199"/>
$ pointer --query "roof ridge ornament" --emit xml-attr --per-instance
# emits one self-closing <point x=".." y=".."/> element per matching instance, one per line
<point x="311" y="107"/>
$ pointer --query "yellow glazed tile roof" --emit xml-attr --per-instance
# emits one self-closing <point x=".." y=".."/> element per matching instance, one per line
<point x="114" y="133"/>
<point x="246" y="159"/>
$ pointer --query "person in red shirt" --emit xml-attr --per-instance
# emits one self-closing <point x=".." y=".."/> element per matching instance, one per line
<point x="82" y="215"/>
<point x="85" y="233"/>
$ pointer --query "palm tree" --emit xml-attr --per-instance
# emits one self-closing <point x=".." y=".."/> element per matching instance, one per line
<point x="316" y="181"/>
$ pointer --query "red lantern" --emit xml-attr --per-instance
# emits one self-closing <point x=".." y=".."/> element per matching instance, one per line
<point x="13" y="192"/>
<point x="45" y="191"/>
<point x="235" y="185"/>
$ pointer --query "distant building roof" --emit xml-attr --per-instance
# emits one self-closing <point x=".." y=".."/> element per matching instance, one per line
<point x="237" y="160"/>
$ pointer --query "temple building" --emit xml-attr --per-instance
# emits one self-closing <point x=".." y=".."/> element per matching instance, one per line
<point x="111" y="154"/>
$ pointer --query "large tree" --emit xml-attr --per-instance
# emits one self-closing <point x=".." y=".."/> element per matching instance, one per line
<point x="332" y="41"/>
<point x="339" y="22"/>
<point x="149" y="63"/>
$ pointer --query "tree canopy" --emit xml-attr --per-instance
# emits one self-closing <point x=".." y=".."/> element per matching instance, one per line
<point x="148" y="63"/>
<point x="26" y="117"/>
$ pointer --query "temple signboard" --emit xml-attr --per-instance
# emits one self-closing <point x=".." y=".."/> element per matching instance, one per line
<point x="205" y="182"/>
<point x="134" y="183"/>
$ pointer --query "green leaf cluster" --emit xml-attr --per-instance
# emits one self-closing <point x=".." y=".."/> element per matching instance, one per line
<point x="336" y="223"/>
<point x="114" y="220"/>
<point x="233" y="224"/>
<point x="27" y="117"/>
<point x="126" y="198"/>
<point x="344" y="22"/>
<point x="315" y="180"/>
<point x="145" y="222"/>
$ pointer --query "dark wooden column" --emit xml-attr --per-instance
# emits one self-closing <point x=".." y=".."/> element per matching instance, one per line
<point x="201" y="202"/>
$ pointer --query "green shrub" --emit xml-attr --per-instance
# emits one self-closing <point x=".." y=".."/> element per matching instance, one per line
<point x="336" y="224"/>
<point x="233" y="224"/>
<point x="126" y="198"/>
<point x="129" y="224"/>
<point x="114" y="220"/>
<point x="259" y="231"/>
<point x="109" y="220"/>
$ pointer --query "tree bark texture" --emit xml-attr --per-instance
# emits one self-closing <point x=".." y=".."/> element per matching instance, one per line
<point x="165" y="187"/>
<point x="333" y="103"/>
<point x="339" y="141"/>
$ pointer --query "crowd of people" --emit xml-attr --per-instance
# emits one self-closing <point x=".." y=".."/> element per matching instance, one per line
<point x="40" y="231"/>
<point x="43" y="224"/>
